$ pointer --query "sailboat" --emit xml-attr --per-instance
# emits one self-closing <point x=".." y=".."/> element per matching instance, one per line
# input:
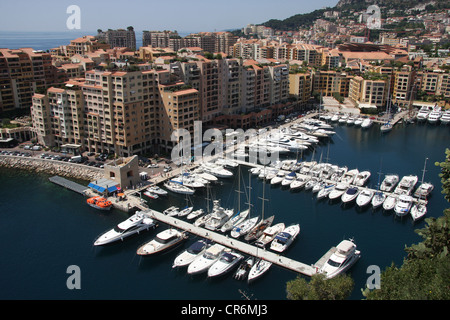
<point x="258" y="230"/>
<point x="419" y="209"/>
<point x="240" y="215"/>
<point x="248" y="224"/>
<point x="387" y="126"/>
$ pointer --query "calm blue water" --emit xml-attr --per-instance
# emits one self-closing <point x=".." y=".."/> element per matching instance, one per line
<point x="48" y="40"/>
<point x="45" y="228"/>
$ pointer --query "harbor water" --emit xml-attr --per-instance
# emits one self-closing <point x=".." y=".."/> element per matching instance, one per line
<point x="45" y="228"/>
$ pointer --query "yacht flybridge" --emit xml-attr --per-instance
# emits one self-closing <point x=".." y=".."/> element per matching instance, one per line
<point x="341" y="260"/>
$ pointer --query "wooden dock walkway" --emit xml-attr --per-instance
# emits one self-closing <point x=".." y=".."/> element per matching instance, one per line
<point x="73" y="186"/>
<point x="232" y="243"/>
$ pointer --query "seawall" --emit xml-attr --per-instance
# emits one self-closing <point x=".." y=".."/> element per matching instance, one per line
<point x="53" y="167"/>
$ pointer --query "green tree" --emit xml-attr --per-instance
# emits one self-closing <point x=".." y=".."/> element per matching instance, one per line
<point x="320" y="288"/>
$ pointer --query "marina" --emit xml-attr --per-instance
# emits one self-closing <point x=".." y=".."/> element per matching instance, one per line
<point x="323" y="224"/>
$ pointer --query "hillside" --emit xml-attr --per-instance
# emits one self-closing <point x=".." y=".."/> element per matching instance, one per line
<point x="344" y="7"/>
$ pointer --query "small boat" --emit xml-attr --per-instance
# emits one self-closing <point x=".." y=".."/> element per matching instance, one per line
<point x="389" y="202"/>
<point x="386" y="127"/>
<point x="445" y="118"/>
<point x="157" y="190"/>
<point x="151" y="195"/>
<point x="423" y="113"/>
<point x="279" y="177"/>
<point x="178" y="188"/>
<point x="335" y="118"/>
<point x="364" y="198"/>
<point x="194" y="214"/>
<point x="200" y="221"/>
<point x="298" y="183"/>
<point x="99" y="203"/>
<point x="349" y="176"/>
<point x="378" y="199"/>
<point x="185" y="211"/>
<point x="338" y="174"/>
<point x="163" y="241"/>
<point x="338" y="191"/>
<point x="133" y="225"/>
<point x="341" y="260"/>
<point x="237" y="219"/>
<point x="358" y="121"/>
<point x="389" y="182"/>
<point x="256" y="232"/>
<point x="216" y="170"/>
<point x="311" y="183"/>
<point x="244" y="268"/>
<point x="289" y="178"/>
<point x="361" y="178"/>
<point x="285" y="238"/>
<point x="424" y="190"/>
<point x="255" y="171"/>
<point x="269" y="234"/>
<point x="244" y="227"/>
<point x="189" y="255"/>
<point x="227" y="261"/>
<point x="171" y="211"/>
<point x="206" y="260"/>
<point x="418" y="210"/>
<point x="343" y="119"/>
<point x="219" y="216"/>
<point x="367" y="123"/>
<point x="325" y="191"/>
<point x="258" y="269"/>
<point x="403" y="205"/>
<point x="350" y="195"/>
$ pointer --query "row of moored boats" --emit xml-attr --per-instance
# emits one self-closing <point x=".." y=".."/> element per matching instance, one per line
<point x="433" y="115"/>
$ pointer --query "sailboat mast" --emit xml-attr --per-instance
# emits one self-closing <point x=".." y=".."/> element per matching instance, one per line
<point x="424" y="169"/>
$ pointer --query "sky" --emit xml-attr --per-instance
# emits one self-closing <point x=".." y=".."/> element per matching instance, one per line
<point x="180" y="15"/>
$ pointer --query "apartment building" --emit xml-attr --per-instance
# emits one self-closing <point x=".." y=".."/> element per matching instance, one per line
<point x="434" y="82"/>
<point x="403" y="83"/>
<point x="158" y="39"/>
<point x="118" y="38"/>
<point x="367" y="93"/>
<point x="82" y="46"/>
<point x="300" y="87"/>
<point x="328" y="82"/>
<point x="22" y="72"/>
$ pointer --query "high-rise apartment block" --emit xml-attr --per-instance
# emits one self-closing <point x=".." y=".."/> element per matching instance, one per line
<point x="118" y="38"/>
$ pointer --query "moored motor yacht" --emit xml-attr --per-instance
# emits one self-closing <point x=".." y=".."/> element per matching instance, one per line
<point x="406" y="185"/>
<point x="157" y="190"/>
<point x="218" y="217"/>
<point x="361" y="178"/>
<point x="367" y="123"/>
<point x="341" y="260"/>
<point x="350" y="194"/>
<point x="285" y="238"/>
<point x="403" y="205"/>
<point x="349" y="176"/>
<point x="423" y="113"/>
<point x="269" y="234"/>
<point x="206" y="260"/>
<point x="258" y="269"/>
<point x="279" y="177"/>
<point x="163" y="241"/>
<point x="244" y="268"/>
<point x="195" y="213"/>
<point x="185" y="211"/>
<point x="227" y="261"/>
<point x="178" y="188"/>
<point x="418" y="210"/>
<point x="445" y="118"/>
<point x="288" y="179"/>
<point x="171" y="211"/>
<point x="389" y="182"/>
<point x="133" y="225"/>
<point x="424" y="190"/>
<point x="338" y="191"/>
<point x="389" y="202"/>
<point x="325" y="191"/>
<point x="151" y="195"/>
<point x="189" y="255"/>
<point x="434" y="115"/>
<point x="298" y="183"/>
<point x="364" y="197"/>
<point x="244" y="227"/>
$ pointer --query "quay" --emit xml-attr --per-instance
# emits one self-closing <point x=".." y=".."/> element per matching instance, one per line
<point x="246" y="248"/>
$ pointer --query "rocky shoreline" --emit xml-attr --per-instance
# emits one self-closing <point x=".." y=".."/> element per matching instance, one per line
<point x="53" y="167"/>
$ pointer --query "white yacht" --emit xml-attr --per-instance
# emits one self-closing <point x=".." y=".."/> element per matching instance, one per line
<point x="185" y="211"/>
<point x="386" y="127"/>
<point x="418" y="210"/>
<point x="335" y="117"/>
<point x="269" y="234"/>
<point x="298" y="183"/>
<point x="288" y="179"/>
<point x="389" y="182"/>
<point x="389" y="202"/>
<point x="244" y="268"/>
<point x="218" y="217"/>
<point x="227" y="261"/>
<point x="341" y="260"/>
<point x="157" y="190"/>
<point x="325" y="191"/>
<point x="406" y="185"/>
<point x="307" y="166"/>
<point x="151" y="195"/>
<point x="235" y="220"/>
<point x="358" y="121"/>
<point x="349" y="176"/>
<point x="279" y="177"/>
<point x="285" y="238"/>
<point x="194" y="214"/>
<point x="338" y="173"/>
<point x="351" y="120"/>
<point x="258" y="269"/>
<point x="364" y="197"/>
<point x="403" y="205"/>
<point x="378" y="199"/>
<point x="206" y="260"/>
<point x="424" y="190"/>
<point x="178" y="188"/>
<point x="162" y="242"/>
<point x="361" y="178"/>
<point x="338" y="191"/>
<point x="343" y="119"/>
<point x="435" y="115"/>
<point x="445" y="118"/>
<point x="200" y="221"/>
<point x="367" y="123"/>
<point x="318" y="186"/>
<point x="135" y="224"/>
<point x="172" y="211"/>
<point x="244" y="227"/>
<point x="423" y="113"/>
<point x="205" y="175"/>
<point x="216" y="170"/>
<point x="350" y="194"/>
<point x="189" y="181"/>
<point x="311" y="183"/>
<point x="188" y="255"/>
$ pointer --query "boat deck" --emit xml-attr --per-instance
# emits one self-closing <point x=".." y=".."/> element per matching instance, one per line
<point x="319" y="264"/>
<point x="232" y="243"/>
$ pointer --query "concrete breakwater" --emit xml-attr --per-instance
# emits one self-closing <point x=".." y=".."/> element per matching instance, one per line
<point x="53" y="167"/>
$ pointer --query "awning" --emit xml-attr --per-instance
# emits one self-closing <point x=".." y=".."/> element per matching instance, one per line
<point x="103" y="185"/>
